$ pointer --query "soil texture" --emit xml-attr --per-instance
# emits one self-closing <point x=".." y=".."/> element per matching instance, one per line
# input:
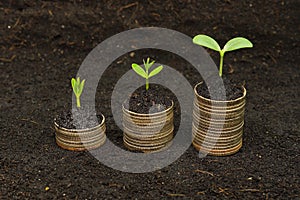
<point x="153" y="100"/>
<point x="79" y="118"/>
<point x="232" y="90"/>
<point x="42" y="46"/>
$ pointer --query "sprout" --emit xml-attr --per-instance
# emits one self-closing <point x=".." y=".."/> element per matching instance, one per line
<point x="77" y="89"/>
<point x="145" y="73"/>
<point x="233" y="44"/>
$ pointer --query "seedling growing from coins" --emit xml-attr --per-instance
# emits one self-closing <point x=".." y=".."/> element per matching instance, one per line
<point x="77" y="89"/>
<point x="233" y="44"/>
<point x="145" y="72"/>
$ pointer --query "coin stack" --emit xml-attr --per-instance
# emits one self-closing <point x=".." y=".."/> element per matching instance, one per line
<point x="148" y="132"/>
<point x="80" y="139"/>
<point x="218" y="125"/>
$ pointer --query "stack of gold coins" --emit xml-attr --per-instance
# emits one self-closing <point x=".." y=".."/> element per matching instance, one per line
<point x="80" y="139"/>
<point x="218" y="125"/>
<point x="148" y="132"/>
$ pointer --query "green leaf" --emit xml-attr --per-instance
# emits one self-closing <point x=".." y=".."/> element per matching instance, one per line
<point x="150" y="64"/>
<point x="139" y="70"/>
<point x="73" y="83"/>
<point x="155" y="71"/>
<point x="237" y="43"/>
<point x="147" y="64"/>
<point x="206" y="41"/>
<point x="75" y="88"/>
<point x="81" y="87"/>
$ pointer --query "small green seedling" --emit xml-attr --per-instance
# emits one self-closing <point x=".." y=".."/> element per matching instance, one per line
<point x="145" y="73"/>
<point x="77" y="89"/>
<point x="233" y="44"/>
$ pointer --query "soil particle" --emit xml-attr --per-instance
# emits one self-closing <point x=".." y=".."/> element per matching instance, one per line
<point x="149" y="101"/>
<point x="80" y="118"/>
<point x="232" y="89"/>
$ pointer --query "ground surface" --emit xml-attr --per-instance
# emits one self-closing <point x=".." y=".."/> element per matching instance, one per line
<point x="42" y="46"/>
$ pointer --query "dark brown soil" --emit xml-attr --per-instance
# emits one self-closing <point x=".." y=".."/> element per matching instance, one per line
<point x="155" y="98"/>
<point x="81" y="118"/>
<point x="232" y="90"/>
<point x="42" y="45"/>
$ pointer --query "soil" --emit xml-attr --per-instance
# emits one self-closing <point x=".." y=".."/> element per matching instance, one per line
<point x="232" y="90"/>
<point x="43" y="44"/>
<point x="80" y="118"/>
<point x="153" y="100"/>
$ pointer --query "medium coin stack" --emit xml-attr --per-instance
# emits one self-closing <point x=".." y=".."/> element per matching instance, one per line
<point x="148" y="132"/>
<point x="80" y="139"/>
<point x="218" y="125"/>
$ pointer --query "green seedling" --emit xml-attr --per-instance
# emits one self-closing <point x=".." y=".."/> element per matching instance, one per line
<point x="233" y="44"/>
<point x="77" y="89"/>
<point x="145" y="72"/>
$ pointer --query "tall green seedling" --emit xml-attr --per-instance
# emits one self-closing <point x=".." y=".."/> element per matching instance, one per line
<point x="145" y="72"/>
<point x="233" y="44"/>
<point x="77" y="86"/>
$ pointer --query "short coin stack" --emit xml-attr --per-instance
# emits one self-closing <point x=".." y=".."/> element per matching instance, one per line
<point x="218" y="125"/>
<point x="80" y="139"/>
<point x="148" y="132"/>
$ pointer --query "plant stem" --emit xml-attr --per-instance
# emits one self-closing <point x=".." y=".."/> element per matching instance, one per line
<point x="78" y="102"/>
<point x="147" y="80"/>
<point x="147" y="84"/>
<point x="221" y="63"/>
